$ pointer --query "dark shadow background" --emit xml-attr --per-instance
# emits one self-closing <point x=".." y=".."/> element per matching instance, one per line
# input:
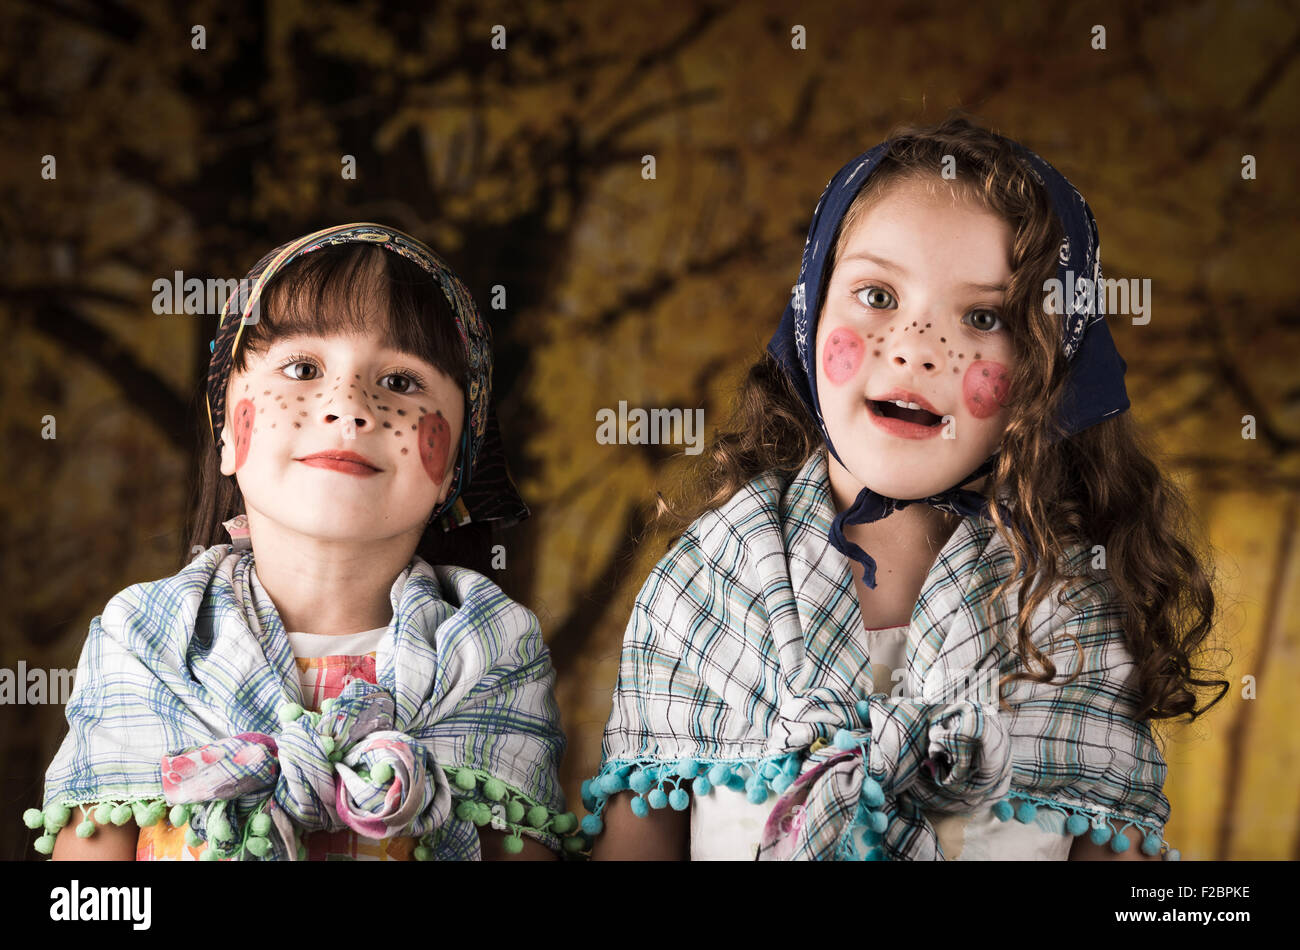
<point x="523" y="166"/>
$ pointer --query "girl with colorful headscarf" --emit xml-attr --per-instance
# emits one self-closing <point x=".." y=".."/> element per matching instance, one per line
<point x="341" y="679"/>
<point x="931" y="591"/>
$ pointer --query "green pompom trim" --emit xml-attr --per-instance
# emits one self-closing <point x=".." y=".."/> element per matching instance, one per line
<point x="484" y="800"/>
<point x="490" y="802"/>
<point x="147" y="812"/>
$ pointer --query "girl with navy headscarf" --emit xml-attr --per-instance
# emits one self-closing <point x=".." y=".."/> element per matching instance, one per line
<point x="928" y="591"/>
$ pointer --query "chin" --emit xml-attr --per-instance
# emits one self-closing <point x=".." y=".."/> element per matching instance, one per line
<point x="891" y="486"/>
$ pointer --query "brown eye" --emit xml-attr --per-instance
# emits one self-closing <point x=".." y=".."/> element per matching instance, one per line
<point x="412" y="384"/>
<point x="295" y="362"/>
<point x="986" y="320"/>
<point x="877" y="298"/>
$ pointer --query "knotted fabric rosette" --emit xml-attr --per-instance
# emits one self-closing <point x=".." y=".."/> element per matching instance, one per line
<point x="851" y="805"/>
<point x="344" y="767"/>
<point x="187" y="708"/>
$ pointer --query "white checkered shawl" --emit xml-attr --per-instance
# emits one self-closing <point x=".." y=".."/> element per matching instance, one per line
<point x="745" y="646"/>
<point x="201" y="659"/>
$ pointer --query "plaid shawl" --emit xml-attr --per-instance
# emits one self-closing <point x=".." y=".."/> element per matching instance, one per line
<point x="743" y="653"/>
<point x="187" y="695"/>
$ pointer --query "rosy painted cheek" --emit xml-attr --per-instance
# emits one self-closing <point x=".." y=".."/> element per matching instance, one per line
<point x="842" y="355"/>
<point x="985" y="388"/>
<point x="435" y="442"/>
<point x="241" y="427"/>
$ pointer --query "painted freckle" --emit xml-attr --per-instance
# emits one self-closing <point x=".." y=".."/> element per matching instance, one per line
<point x="401" y="412"/>
<point x="297" y="425"/>
<point x="413" y="425"/>
<point x="875" y="352"/>
<point x="318" y="395"/>
<point x="388" y="425"/>
<point x="403" y="451"/>
<point x="267" y="393"/>
<point x="301" y="398"/>
<point x="942" y="340"/>
<point x="301" y="413"/>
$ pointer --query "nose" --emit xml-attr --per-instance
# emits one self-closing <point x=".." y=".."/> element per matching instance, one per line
<point x="923" y="353"/>
<point x="350" y="404"/>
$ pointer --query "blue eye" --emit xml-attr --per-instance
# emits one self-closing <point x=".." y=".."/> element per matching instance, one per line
<point x="877" y="298"/>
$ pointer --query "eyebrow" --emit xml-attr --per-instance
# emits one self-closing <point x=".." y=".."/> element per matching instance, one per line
<point x="891" y="265"/>
<point x="297" y="340"/>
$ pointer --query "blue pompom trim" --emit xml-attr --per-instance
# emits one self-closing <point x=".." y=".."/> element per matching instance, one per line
<point x="669" y="784"/>
<point x="1098" y="825"/>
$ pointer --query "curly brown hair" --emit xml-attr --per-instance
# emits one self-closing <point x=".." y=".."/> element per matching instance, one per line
<point x="1100" y="486"/>
<point x="322" y="293"/>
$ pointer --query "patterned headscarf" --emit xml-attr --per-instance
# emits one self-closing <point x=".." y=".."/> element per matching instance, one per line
<point x="1095" y="385"/>
<point x="482" y="489"/>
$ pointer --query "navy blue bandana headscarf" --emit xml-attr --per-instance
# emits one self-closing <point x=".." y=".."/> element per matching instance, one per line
<point x="1094" y="387"/>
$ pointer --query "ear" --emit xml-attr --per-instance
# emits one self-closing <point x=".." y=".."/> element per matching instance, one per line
<point x="227" y="450"/>
<point x="445" y="490"/>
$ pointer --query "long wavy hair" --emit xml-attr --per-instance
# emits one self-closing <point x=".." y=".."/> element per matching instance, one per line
<point x="1101" y="486"/>
<point x="325" y="292"/>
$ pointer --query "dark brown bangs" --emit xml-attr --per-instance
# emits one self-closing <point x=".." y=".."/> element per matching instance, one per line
<point x="347" y="289"/>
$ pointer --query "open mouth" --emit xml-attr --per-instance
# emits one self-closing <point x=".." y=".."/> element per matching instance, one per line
<point x="893" y="410"/>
